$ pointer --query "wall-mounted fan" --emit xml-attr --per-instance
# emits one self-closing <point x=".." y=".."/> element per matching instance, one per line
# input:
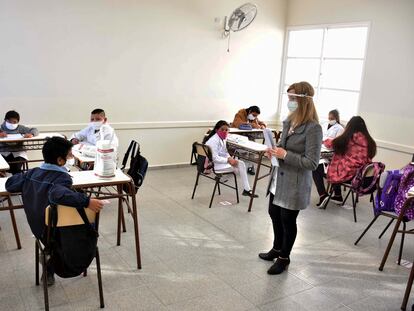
<point x="241" y="17"/>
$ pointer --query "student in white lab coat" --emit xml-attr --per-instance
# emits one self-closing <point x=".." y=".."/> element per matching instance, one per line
<point x="333" y="130"/>
<point x="11" y="126"/>
<point x="92" y="133"/>
<point x="222" y="160"/>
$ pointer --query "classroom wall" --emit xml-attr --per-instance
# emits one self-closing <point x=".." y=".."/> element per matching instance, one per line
<point x="159" y="68"/>
<point x="386" y="103"/>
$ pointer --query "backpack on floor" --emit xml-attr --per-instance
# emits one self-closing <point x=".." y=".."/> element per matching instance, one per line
<point x="358" y="183"/>
<point x="387" y="191"/>
<point x="72" y="248"/>
<point x="406" y="183"/>
<point x="138" y="165"/>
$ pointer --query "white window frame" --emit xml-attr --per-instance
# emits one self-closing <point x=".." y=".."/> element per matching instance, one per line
<point x="321" y="58"/>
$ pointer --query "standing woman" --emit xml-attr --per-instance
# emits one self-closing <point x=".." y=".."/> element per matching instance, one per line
<point x="291" y="182"/>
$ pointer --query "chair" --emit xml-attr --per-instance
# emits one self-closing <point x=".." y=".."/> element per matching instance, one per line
<point x="367" y="176"/>
<point x="67" y="216"/>
<point x="200" y="153"/>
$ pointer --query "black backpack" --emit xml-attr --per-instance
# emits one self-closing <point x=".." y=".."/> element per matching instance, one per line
<point x="72" y="248"/>
<point x="138" y="165"/>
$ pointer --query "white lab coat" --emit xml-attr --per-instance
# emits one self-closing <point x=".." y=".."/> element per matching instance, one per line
<point x="89" y="136"/>
<point x="219" y="152"/>
<point x="333" y="132"/>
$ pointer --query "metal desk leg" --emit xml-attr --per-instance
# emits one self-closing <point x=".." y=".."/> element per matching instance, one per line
<point x="118" y="231"/>
<point x="135" y="218"/>
<point x="394" y="233"/>
<point x="13" y="219"/>
<point x="256" y="177"/>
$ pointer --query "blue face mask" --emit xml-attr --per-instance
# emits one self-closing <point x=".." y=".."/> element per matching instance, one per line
<point x="292" y="105"/>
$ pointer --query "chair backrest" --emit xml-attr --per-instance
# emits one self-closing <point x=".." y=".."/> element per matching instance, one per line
<point x="203" y="157"/>
<point x="69" y="216"/>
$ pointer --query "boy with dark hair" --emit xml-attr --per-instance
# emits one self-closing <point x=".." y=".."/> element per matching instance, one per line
<point x="49" y="184"/>
<point x="11" y="126"/>
<point x="97" y="129"/>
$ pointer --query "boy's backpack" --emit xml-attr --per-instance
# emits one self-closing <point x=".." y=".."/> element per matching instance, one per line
<point x="72" y="248"/>
<point x="360" y="186"/>
<point x="137" y="166"/>
<point x="406" y="183"/>
<point x="387" y="192"/>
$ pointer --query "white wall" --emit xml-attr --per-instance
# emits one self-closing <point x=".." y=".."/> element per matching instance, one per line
<point x="387" y="100"/>
<point x="159" y="68"/>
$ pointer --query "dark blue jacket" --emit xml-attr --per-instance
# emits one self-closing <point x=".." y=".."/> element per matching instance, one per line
<point x="42" y="186"/>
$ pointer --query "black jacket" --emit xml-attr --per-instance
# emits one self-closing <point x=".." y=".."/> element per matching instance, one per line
<point x="41" y="187"/>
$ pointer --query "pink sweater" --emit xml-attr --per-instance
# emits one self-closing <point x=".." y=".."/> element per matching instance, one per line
<point x="344" y="167"/>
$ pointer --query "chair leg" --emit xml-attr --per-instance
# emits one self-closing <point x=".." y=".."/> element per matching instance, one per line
<point x="402" y="244"/>
<point x="347" y="196"/>
<point x="237" y="188"/>
<point x="331" y="191"/>
<point x="354" y="203"/>
<point x="85" y="273"/>
<point x="195" y="185"/>
<point x="44" y="280"/>
<point x="16" y="231"/>
<point x="214" y="192"/>
<point x="386" y="228"/>
<point x="36" y="263"/>
<point x="366" y="229"/>
<point x="123" y="220"/>
<point x="218" y="187"/>
<point x="98" y="272"/>
<point x="408" y="289"/>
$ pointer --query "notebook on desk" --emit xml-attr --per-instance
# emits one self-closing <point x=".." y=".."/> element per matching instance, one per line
<point x="12" y="137"/>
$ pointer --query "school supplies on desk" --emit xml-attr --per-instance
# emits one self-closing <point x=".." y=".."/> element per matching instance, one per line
<point x="12" y="136"/>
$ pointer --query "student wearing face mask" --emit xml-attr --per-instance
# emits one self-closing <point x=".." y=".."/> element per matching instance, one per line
<point x="97" y="128"/>
<point x="248" y="116"/>
<point x="290" y="184"/>
<point x="333" y="130"/>
<point x="216" y="140"/>
<point x="11" y="126"/>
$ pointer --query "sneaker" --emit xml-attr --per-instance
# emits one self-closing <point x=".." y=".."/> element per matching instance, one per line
<point x="50" y="279"/>
<point x="249" y="194"/>
<point x="322" y="200"/>
<point x="279" y="266"/>
<point x="270" y="255"/>
<point x="251" y="171"/>
<point x="337" y="198"/>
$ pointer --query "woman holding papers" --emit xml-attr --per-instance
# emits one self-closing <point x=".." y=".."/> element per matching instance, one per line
<point x="222" y="160"/>
<point x="291" y="182"/>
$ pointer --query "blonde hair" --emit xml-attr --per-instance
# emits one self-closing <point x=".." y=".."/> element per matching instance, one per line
<point x="306" y="111"/>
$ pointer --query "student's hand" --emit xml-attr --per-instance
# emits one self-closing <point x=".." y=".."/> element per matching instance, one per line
<point x="74" y="141"/>
<point x="28" y="135"/>
<point x="233" y="162"/>
<point x="3" y="134"/>
<point x="95" y="205"/>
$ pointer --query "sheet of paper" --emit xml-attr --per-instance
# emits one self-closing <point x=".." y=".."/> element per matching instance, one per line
<point x="14" y="136"/>
<point x="269" y="142"/>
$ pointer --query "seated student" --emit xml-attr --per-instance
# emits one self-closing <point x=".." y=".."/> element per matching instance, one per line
<point x="333" y="130"/>
<point x="222" y="160"/>
<point x="97" y="127"/>
<point x="11" y="126"/>
<point x="248" y="116"/>
<point x="47" y="184"/>
<point x="352" y="150"/>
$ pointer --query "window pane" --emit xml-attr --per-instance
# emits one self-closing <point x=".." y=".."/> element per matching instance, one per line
<point x="345" y="42"/>
<point x="302" y="70"/>
<point x="342" y="74"/>
<point x="305" y="43"/>
<point x="345" y="102"/>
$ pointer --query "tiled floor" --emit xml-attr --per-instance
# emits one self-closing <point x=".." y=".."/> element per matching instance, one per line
<point x="195" y="258"/>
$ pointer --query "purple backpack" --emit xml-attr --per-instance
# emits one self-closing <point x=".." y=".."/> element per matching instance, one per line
<point x="358" y="184"/>
<point x="407" y="182"/>
<point x="387" y="193"/>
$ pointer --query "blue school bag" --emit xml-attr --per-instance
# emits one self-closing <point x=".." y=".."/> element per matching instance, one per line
<point x="386" y="195"/>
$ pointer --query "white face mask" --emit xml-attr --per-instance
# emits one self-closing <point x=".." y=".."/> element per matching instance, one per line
<point x="251" y="117"/>
<point x="70" y="161"/>
<point x="96" y="125"/>
<point x="332" y="122"/>
<point x="292" y="105"/>
<point x="11" y="126"/>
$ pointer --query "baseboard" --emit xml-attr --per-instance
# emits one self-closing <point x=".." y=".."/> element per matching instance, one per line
<point x="167" y="166"/>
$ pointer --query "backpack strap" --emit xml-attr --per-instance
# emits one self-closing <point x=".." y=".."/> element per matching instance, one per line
<point x="125" y="160"/>
<point x="377" y="172"/>
<point x="85" y="219"/>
